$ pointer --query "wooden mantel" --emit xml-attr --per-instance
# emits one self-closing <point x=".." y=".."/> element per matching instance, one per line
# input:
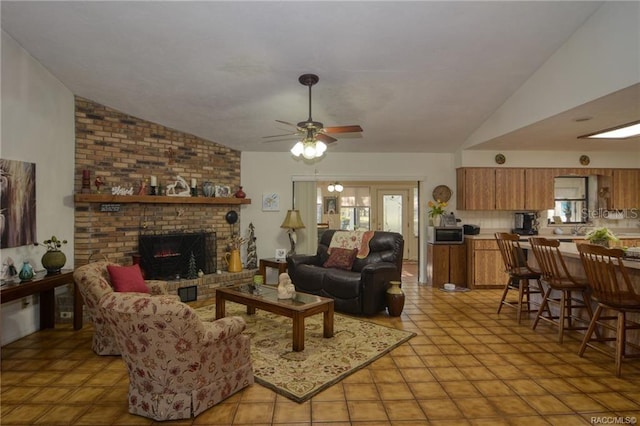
<point x="157" y="199"/>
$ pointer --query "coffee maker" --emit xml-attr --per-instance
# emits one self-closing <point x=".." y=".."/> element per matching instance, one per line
<point x="526" y="223"/>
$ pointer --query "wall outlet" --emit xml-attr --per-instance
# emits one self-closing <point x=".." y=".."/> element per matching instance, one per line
<point x="66" y="315"/>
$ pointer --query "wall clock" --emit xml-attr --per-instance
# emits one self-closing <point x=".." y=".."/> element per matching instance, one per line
<point x="585" y="160"/>
<point x="442" y="193"/>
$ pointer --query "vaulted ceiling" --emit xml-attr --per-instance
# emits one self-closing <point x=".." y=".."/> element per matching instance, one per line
<point x="417" y="76"/>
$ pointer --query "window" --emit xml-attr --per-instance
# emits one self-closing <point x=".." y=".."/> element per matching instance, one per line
<point x="571" y="199"/>
<point x="355" y="208"/>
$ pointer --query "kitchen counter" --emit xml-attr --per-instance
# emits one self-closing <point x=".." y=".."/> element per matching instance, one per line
<point x="491" y="236"/>
<point x="570" y="251"/>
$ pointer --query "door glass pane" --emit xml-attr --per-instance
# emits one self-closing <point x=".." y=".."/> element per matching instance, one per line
<point x="392" y="213"/>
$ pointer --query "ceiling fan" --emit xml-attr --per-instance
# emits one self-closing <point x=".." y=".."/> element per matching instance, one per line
<point x="313" y="131"/>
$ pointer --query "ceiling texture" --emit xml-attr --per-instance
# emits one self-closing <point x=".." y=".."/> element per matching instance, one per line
<point x="417" y="76"/>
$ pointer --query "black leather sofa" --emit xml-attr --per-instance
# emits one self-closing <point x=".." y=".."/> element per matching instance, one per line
<point x="361" y="290"/>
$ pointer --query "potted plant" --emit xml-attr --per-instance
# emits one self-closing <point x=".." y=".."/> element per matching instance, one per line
<point x="601" y="236"/>
<point x="54" y="259"/>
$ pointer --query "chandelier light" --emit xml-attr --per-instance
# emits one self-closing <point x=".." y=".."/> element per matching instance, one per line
<point x="337" y="187"/>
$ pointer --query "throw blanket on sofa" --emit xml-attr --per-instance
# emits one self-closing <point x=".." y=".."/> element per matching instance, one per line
<point x="351" y="240"/>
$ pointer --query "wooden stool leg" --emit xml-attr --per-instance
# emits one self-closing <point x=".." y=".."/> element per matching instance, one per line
<point x="589" y="333"/>
<point x="563" y="314"/>
<point x="504" y="295"/>
<point x="545" y="302"/>
<point x="520" y="297"/>
<point x="620" y="344"/>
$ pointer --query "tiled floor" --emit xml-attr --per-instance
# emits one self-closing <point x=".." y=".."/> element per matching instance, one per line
<point x="467" y="366"/>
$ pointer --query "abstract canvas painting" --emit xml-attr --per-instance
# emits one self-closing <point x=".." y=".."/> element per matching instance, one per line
<point x="17" y="203"/>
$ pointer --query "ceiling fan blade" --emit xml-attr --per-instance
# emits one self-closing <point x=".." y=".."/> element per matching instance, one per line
<point x="325" y="138"/>
<point x="280" y="136"/>
<point x="287" y="123"/>
<point x="342" y="129"/>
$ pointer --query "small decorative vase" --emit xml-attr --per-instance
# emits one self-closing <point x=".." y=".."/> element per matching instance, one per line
<point x="435" y="220"/>
<point x="395" y="299"/>
<point x="53" y="261"/>
<point x="208" y="189"/>
<point x="240" y="193"/>
<point x="26" y="273"/>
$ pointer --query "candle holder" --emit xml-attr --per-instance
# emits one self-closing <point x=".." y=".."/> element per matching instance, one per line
<point x="86" y="182"/>
<point x="153" y="190"/>
<point x="194" y="192"/>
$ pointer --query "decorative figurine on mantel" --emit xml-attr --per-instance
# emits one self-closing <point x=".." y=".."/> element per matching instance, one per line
<point x="252" y="257"/>
<point x="179" y="188"/>
<point x="286" y="289"/>
<point x="98" y="182"/>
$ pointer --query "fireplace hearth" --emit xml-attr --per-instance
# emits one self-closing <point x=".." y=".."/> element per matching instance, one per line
<point x="167" y="256"/>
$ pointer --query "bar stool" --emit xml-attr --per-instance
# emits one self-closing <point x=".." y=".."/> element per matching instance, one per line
<point x="520" y="273"/>
<point x="558" y="279"/>
<point x="612" y="288"/>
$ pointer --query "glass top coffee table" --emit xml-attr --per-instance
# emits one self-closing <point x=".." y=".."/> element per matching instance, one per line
<point x="302" y="305"/>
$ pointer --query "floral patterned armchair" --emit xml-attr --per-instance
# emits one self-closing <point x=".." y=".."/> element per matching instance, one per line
<point x="178" y="365"/>
<point x="94" y="283"/>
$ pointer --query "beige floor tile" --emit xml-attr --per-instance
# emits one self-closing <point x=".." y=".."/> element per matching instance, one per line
<point x="440" y="409"/>
<point x="100" y="415"/>
<point x="394" y="391"/>
<point x="361" y="392"/>
<point x="330" y="411"/>
<point x="511" y="405"/>
<point x="547" y="404"/>
<point x="61" y="414"/>
<point x="365" y="411"/>
<point x="332" y="393"/>
<point x="460" y="389"/>
<point x="407" y="410"/>
<point x="476" y="407"/>
<point x="290" y="412"/>
<point x="254" y="413"/>
<point x="615" y="401"/>
<point x="26" y="414"/>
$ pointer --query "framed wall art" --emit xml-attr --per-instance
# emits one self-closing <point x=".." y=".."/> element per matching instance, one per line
<point x="17" y="203"/>
<point x="330" y="205"/>
<point x="270" y="202"/>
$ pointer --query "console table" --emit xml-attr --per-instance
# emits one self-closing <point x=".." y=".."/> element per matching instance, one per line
<point x="45" y="285"/>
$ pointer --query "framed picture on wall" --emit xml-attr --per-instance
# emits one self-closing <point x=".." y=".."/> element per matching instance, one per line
<point x="330" y="205"/>
<point x="270" y="202"/>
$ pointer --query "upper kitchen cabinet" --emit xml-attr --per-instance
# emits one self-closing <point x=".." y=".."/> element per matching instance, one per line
<point x="483" y="188"/>
<point x="625" y="189"/>
<point x="476" y="188"/>
<point x="539" y="188"/>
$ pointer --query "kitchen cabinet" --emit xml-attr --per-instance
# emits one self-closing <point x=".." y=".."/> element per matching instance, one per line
<point x="539" y="187"/>
<point x="446" y="263"/>
<point x="476" y="188"/>
<point x="625" y="189"/>
<point x="483" y="188"/>
<point x="485" y="267"/>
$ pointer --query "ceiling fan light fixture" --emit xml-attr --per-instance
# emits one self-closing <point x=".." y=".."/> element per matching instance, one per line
<point x="297" y="149"/>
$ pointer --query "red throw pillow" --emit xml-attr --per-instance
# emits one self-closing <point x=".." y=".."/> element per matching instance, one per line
<point x="127" y="279"/>
<point x="341" y="258"/>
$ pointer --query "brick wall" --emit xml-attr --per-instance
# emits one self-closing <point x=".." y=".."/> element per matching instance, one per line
<point x="124" y="150"/>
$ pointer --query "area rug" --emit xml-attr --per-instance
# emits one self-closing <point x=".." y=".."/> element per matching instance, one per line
<point x="323" y="362"/>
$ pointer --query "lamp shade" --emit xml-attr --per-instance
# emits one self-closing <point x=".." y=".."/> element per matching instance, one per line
<point x="293" y="220"/>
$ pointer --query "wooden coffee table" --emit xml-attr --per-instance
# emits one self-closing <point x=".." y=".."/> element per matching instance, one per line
<point x="301" y="306"/>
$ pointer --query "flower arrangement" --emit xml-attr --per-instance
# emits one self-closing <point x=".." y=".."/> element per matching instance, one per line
<point x="437" y="208"/>
<point x="235" y="241"/>
<point x="52" y="244"/>
<point x="600" y="236"/>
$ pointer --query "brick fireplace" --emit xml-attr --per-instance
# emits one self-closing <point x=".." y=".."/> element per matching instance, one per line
<point x="125" y="150"/>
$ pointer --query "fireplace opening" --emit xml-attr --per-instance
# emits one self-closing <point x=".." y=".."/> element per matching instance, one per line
<point x="168" y="256"/>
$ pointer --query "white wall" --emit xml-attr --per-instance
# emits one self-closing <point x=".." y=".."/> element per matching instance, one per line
<point x="601" y="57"/>
<point x="38" y="127"/>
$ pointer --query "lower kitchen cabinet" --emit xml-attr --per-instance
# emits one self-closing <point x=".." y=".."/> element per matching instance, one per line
<point x="485" y="267"/>
<point x="446" y="263"/>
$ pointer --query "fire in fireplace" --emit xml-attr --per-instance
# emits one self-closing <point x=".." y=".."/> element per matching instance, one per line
<point x="167" y="256"/>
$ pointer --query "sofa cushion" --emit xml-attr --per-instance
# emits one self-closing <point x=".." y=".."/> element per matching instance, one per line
<point x="341" y="258"/>
<point x="127" y="279"/>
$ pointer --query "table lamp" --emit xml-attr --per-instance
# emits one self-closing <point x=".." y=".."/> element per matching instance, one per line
<point x="292" y="222"/>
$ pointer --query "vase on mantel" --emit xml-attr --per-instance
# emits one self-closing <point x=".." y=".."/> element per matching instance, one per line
<point x="395" y="299"/>
<point x="240" y="193"/>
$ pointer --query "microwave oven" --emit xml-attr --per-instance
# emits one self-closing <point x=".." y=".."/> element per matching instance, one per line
<point x="446" y="235"/>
